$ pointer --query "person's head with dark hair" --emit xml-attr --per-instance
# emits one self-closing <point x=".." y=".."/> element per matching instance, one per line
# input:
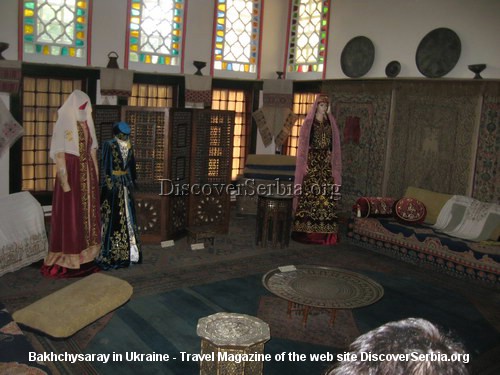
<point x="411" y="346"/>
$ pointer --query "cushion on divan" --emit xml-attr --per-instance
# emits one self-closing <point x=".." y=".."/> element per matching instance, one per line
<point x="374" y="206"/>
<point x="410" y="211"/>
<point x="66" y="311"/>
<point x="432" y="201"/>
<point x="495" y="235"/>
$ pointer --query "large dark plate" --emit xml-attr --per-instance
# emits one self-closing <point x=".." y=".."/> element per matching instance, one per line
<point x="438" y="52"/>
<point x="357" y="57"/>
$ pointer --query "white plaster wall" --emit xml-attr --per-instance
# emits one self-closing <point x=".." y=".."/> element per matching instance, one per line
<point x="8" y="27"/>
<point x="274" y="38"/>
<point x="198" y="35"/>
<point x="396" y="28"/>
<point x="109" y="22"/>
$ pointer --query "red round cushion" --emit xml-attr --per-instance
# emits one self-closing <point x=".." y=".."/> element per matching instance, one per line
<point x="410" y="211"/>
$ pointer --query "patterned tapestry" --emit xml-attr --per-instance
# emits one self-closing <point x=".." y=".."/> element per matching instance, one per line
<point x="362" y="118"/>
<point x="487" y="174"/>
<point x="431" y="144"/>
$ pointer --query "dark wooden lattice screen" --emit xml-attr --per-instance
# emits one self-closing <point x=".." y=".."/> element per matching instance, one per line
<point x="186" y="149"/>
<point x="104" y="118"/>
<point x="180" y="122"/>
<point x="211" y="156"/>
<point x="149" y="135"/>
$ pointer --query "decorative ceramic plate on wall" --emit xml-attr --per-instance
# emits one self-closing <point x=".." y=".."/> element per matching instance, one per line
<point x="357" y="57"/>
<point x="392" y="69"/>
<point x="438" y="52"/>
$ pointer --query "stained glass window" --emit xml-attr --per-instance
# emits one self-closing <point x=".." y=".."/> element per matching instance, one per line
<point x="237" y="29"/>
<point x="308" y="35"/>
<point x="156" y="28"/>
<point x="55" y="27"/>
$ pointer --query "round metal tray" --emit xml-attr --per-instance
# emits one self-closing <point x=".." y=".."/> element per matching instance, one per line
<point x="323" y="287"/>
<point x="438" y="52"/>
<point x="357" y="57"/>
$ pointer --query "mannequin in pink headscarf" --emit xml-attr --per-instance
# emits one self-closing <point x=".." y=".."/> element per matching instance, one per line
<point x="317" y="177"/>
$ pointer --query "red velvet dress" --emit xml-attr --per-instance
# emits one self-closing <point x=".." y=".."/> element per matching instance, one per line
<point x="75" y="230"/>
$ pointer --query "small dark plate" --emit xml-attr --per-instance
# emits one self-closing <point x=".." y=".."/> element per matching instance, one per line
<point x="392" y="69"/>
<point x="357" y="57"/>
<point x="438" y="52"/>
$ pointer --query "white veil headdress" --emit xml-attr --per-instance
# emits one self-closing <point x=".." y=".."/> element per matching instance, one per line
<point x="65" y="135"/>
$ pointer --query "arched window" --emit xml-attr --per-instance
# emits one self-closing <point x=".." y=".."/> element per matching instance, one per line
<point x="236" y="36"/>
<point x="156" y="33"/>
<point x="308" y="36"/>
<point x="56" y="28"/>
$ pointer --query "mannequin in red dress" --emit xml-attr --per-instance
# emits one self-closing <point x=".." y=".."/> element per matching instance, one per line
<point x="75" y="234"/>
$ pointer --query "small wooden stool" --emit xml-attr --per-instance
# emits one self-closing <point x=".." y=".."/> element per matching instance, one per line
<point x="274" y="220"/>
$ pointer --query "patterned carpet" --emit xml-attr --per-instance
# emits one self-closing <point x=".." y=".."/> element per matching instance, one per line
<point x="471" y="310"/>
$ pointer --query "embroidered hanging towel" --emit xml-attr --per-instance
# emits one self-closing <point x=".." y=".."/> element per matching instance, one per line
<point x="198" y="91"/>
<point x="116" y="81"/>
<point x="275" y="118"/>
<point x="10" y="76"/>
<point x="10" y="130"/>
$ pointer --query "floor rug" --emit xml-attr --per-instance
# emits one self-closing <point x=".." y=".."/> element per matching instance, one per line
<point x="166" y="322"/>
<point x="202" y="283"/>
<point x="318" y="331"/>
<point x="13" y="346"/>
<point x="83" y="337"/>
<point x="75" y="344"/>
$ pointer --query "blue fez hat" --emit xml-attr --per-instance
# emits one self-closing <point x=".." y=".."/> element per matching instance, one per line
<point x="122" y="127"/>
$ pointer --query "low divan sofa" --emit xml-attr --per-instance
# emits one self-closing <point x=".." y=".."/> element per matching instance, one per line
<point x="433" y="230"/>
